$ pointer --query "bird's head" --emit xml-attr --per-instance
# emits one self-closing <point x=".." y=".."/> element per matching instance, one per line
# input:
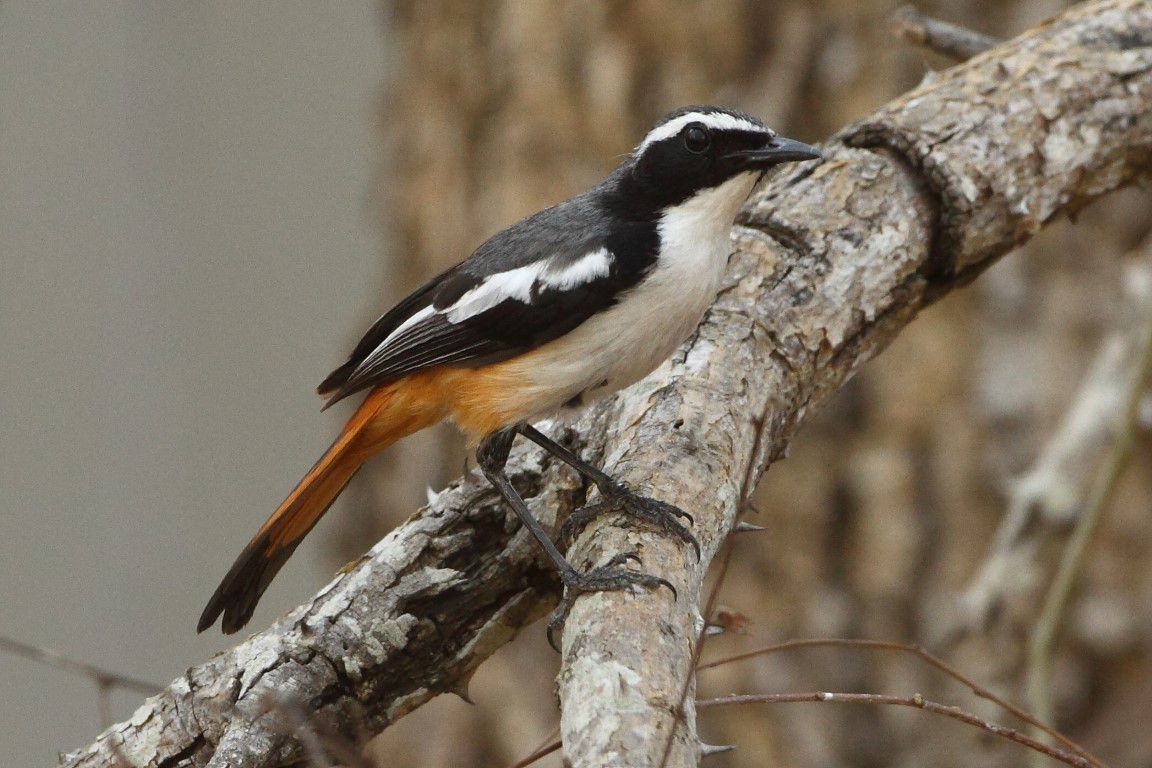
<point x="700" y="148"/>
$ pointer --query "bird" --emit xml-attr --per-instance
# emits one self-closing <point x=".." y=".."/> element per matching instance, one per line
<point x="566" y="306"/>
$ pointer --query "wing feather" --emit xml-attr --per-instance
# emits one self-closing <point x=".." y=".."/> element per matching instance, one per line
<point x="471" y="315"/>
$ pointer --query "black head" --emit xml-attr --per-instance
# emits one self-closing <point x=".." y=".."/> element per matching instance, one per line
<point x="700" y="147"/>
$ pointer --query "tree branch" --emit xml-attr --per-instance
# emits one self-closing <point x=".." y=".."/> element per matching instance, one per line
<point x="830" y="263"/>
<point x="840" y="258"/>
<point x="951" y="40"/>
<point x="1069" y="479"/>
<point x="1096" y="500"/>
<point x="106" y="680"/>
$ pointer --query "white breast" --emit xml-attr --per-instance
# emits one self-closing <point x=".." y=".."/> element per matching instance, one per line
<point x="627" y="342"/>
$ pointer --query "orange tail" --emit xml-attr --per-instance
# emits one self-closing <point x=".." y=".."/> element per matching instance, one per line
<point x="386" y="415"/>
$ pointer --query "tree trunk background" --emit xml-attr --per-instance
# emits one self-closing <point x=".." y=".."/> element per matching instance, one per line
<point x="888" y="504"/>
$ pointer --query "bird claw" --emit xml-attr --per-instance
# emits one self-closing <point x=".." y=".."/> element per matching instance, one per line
<point x="657" y="513"/>
<point x="608" y="577"/>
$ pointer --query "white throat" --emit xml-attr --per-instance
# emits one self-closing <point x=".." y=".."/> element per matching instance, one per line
<point x="622" y="345"/>
<point x="694" y="236"/>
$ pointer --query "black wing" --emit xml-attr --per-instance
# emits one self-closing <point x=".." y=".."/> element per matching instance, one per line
<point x="384" y="325"/>
<point x="477" y="313"/>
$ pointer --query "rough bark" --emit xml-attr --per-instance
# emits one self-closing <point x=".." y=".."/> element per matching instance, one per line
<point x="830" y="264"/>
<point x="840" y="258"/>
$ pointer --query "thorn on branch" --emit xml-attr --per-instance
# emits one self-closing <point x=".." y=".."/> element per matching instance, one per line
<point x="951" y="40"/>
<point x="727" y="621"/>
<point x="460" y="688"/>
<point x="707" y="750"/>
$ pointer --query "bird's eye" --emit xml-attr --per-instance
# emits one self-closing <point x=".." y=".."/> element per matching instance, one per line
<point x="696" y="138"/>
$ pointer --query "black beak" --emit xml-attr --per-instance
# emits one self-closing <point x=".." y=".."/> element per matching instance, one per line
<point x="779" y="150"/>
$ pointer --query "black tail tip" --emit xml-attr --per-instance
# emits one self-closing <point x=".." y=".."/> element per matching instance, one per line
<point x="232" y="604"/>
<point x="232" y="622"/>
<point x="211" y="612"/>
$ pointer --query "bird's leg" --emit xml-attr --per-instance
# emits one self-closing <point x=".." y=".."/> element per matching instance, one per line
<point x="492" y="456"/>
<point x="615" y="497"/>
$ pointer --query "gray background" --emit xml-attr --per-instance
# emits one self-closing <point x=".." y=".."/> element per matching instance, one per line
<point x="185" y="250"/>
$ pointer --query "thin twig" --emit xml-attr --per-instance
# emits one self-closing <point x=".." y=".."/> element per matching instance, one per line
<point x="923" y="655"/>
<point x="1063" y="481"/>
<point x="1057" y="503"/>
<point x="952" y="40"/>
<point x="725" y="559"/>
<point x="106" y="681"/>
<point x="1043" y="634"/>
<point x="543" y="751"/>
<point x="916" y="701"/>
<point x="320" y="745"/>
<point x="550" y="744"/>
<point x="56" y="659"/>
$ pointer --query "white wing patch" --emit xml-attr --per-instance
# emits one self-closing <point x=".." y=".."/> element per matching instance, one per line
<point x="420" y="316"/>
<point x="513" y="284"/>
<point x="719" y="121"/>
<point x="518" y="283"/>
<point x="416" y="318"/>
<point x="584" y="270"/>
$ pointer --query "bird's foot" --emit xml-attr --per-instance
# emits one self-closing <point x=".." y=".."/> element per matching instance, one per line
<point x="618" y="498"/>
<point x="606" y="578"/>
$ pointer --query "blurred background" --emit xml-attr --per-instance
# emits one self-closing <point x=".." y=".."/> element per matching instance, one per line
<point x="203" y="205"/>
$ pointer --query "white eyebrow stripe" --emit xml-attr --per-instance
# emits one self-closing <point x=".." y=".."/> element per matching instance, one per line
<point x="720" y="121"/>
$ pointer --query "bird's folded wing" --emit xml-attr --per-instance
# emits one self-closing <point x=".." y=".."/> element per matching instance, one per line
<point x="461" y="318"/>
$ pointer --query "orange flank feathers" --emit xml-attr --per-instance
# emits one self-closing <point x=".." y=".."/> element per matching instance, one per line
<point x="479" y="400"/>
<point x="386" y="415"/>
